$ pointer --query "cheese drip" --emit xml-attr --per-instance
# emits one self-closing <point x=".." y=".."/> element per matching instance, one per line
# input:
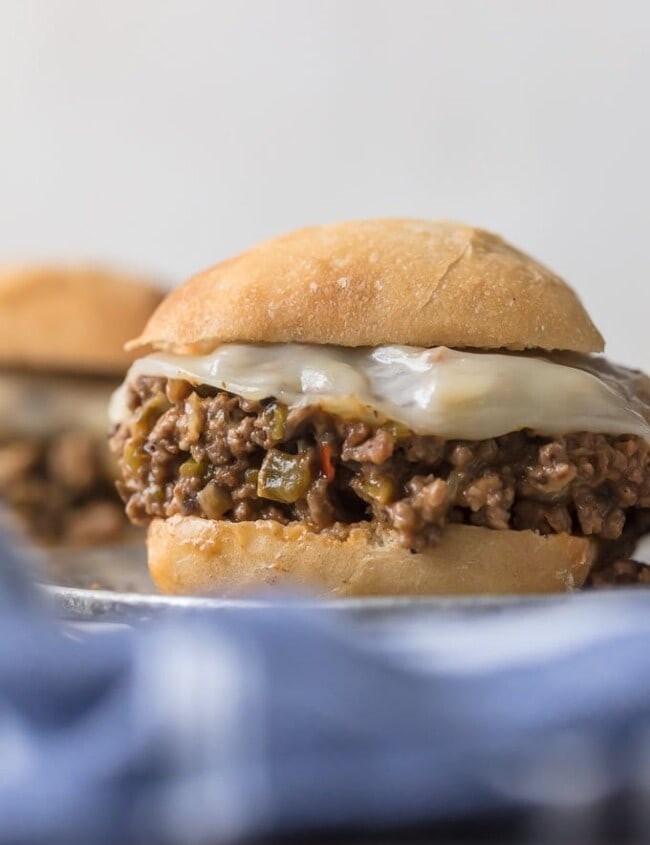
<point x="446" y="392"/>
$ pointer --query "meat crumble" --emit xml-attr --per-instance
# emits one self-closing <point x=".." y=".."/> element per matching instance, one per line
<point x="200" y="451"/>
<point x="61" y="488"/>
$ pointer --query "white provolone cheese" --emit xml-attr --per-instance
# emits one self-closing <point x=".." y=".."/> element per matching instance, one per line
<point x="35" y="405"/>
<point x="447" y="392"/>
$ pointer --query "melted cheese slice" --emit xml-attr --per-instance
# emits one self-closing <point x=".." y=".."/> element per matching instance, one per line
<point x="446" y="392"/>
<point x="37" y="405"/>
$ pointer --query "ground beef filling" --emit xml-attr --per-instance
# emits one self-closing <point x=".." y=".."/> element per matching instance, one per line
<point x="203" y="452"/>
<point x="62" y="488"/>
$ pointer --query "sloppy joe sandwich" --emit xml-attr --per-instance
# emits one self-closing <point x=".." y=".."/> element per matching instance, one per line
<point x="381" y="407"/>
<point x="62" y="333"/>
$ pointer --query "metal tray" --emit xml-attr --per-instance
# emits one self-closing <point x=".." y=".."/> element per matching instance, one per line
<point x="113" y="584"/>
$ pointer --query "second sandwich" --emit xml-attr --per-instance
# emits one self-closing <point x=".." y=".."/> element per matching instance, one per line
<point x="62" y="332"/>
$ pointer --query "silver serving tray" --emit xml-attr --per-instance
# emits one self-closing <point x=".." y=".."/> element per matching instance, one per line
<point x="78" y="604"/>
<point x="113" y="584"/>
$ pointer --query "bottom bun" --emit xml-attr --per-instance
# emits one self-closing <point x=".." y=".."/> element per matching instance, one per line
<point x="189" y="555"/>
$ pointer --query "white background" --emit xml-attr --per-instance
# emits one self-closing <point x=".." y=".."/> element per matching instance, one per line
<point x="167" y="135"/>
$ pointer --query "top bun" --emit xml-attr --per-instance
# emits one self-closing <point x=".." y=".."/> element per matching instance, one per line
<point x="368" y="283"/>
<point x="71" y="319"/>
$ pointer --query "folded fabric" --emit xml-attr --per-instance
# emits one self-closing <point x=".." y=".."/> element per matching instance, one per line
<point x="264" y="721"/>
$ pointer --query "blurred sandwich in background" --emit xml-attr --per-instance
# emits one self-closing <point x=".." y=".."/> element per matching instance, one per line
<point x="62" y="331"/>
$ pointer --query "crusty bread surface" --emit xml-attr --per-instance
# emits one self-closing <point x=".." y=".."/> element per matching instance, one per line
<point x="368" y="283"/>
<point x="194" y="556"/>
<point x="71" y="318"/>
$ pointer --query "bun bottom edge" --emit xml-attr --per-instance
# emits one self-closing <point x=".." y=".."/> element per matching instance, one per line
<point x="194" y="556"/>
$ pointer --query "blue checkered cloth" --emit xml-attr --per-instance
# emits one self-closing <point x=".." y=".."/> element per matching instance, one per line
<point x="261" y="722"/>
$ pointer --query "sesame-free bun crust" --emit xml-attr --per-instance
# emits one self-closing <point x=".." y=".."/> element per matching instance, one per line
<point x="74" y="319"/>
<point x="194" y="556"/>
<point x="368" y="283"/>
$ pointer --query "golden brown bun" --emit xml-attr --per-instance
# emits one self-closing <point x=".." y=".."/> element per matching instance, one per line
<point x="71" y="318"/>
<point x="373" y="282"/>
<point x="188" y="555"/>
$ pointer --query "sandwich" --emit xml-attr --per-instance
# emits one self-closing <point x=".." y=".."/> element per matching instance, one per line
<point x="62" y="333"/>
<point x="386" y="407"/>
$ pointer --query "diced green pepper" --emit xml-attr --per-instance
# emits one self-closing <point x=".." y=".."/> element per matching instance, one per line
<point x="193" y="469"/>
<point x="397" y="429"/>
<point x="134" y="456"/>
<point x="277" y="415"/>
<point x="380" y="490"/>
<point x="150" y="413"/>
<point x="284" y="478"/>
